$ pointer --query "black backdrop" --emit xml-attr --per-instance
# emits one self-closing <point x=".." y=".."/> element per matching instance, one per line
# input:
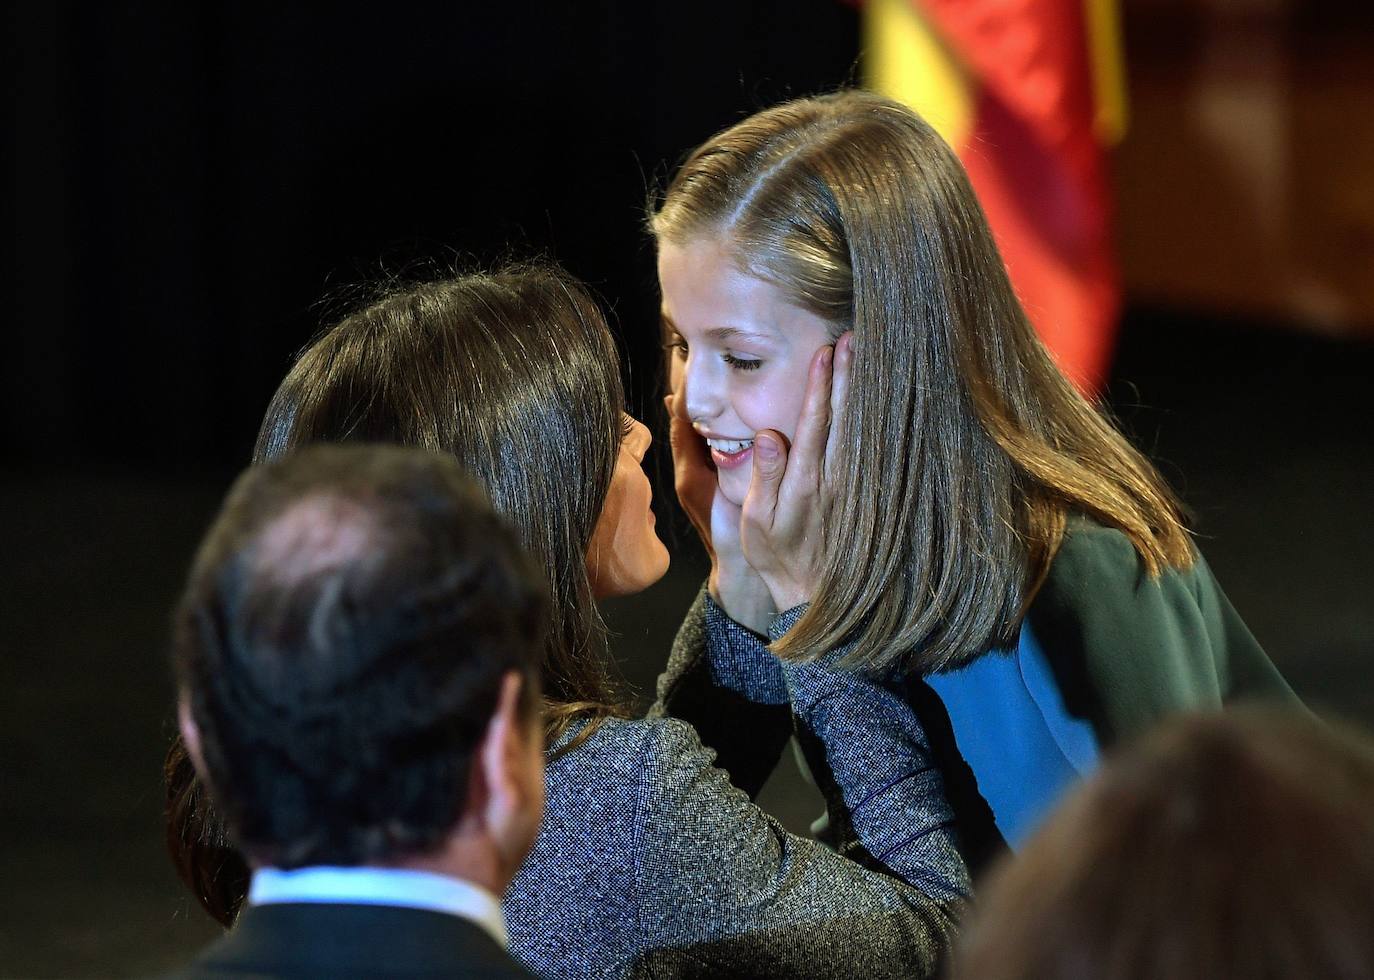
<point x="189" y="179"/>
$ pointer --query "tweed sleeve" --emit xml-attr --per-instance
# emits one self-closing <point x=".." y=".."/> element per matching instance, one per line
<point x="724" y="890"/>
<point x="721" y="679"/>
<point x="872" y="761"/>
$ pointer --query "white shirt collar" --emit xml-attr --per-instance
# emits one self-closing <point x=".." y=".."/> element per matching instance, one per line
<point x="381" y="886"/>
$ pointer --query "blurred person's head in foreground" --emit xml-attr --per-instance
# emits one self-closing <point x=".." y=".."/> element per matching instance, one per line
<point x="1236" y="844"/>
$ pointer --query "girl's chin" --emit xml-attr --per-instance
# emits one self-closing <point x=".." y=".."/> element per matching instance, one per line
<point x="734" y="489"/>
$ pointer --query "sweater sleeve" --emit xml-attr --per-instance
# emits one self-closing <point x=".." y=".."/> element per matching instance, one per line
<point x="872" y="761"/>
<point x="721" y="679"/>
<point x="1128" y="649"/>
<point x="724" y="890"/>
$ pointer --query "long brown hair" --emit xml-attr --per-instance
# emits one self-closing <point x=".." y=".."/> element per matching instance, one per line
<point x="1234" y="844"/>
<point x="965" y="448"/>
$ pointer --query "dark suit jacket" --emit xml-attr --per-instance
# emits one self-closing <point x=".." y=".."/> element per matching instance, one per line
<point x="289" y="941"/>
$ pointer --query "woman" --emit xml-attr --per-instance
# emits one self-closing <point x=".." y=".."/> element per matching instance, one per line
<point x="989" y="538"/>
<point x="648" y="861"/>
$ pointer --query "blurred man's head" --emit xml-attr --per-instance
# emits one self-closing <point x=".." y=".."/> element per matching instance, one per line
<point x="357" y="657"/>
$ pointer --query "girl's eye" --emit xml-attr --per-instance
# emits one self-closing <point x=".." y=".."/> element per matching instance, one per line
<point x="741" y="363"/>
<point x="627" y="425"/>
<point x="675" y="345"/>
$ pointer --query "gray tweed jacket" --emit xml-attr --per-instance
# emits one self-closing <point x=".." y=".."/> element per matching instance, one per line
<point x="651" y="864"/>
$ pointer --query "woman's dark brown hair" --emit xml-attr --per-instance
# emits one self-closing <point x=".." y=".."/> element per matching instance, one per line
<point x="514" y="373"/>
<point x="1238" y="844"/>
<point x="964" y="447"/>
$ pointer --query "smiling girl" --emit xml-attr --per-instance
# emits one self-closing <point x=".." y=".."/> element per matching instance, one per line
<point x="987" y="540"/>
<point x="759" y="348"/>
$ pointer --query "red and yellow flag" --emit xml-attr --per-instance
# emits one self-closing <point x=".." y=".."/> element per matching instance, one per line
<point x="1030" y="94"/>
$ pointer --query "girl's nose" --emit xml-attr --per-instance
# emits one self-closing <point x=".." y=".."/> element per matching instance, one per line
<point x="703" y="395"/>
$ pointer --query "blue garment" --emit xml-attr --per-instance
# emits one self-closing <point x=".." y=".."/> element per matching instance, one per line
<point x="1012" y="728"/>
<point x="1007" y="713"/>
<point x="1121" y="648"/>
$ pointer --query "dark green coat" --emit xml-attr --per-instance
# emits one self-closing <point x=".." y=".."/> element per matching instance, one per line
<point x="1125" y="651"/>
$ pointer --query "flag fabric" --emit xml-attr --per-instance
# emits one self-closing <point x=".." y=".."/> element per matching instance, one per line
<point x="1029" y="93"/>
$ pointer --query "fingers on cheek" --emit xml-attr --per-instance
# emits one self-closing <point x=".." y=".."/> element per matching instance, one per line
<point x="821" y="366"/>
<point x="748" y="520"/>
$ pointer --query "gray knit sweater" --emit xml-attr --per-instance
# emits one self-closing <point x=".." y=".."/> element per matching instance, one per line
<point x="651" y="864"/>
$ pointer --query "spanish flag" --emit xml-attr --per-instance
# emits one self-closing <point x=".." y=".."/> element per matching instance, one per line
<point x="1030" y="94"/>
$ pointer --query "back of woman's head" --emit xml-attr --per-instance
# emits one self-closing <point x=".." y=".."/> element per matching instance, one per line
<point x="515" y="374"/>
<point x="964" y="445"/>
<point x="1239" y="844"/>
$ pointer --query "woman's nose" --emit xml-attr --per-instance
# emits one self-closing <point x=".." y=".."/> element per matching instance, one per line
<point x="639" y="439"/>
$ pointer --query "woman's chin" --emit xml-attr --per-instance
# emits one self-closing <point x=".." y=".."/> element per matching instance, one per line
<point x="626" y="578"/>
<point x="660" y="563"/>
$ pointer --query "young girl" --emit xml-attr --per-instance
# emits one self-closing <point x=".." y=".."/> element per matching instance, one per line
<point x="991" y="543"/>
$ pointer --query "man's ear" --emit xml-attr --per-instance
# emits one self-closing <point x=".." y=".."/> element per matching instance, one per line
<point x="190" y="734"/>
<point x="511" y="763"/>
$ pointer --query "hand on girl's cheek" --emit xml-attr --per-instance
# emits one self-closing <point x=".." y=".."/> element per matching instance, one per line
<point x="774" y="404"/>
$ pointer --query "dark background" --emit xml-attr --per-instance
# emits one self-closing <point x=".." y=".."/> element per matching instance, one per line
<point x="187" y="182"/>
<point x="190" y="181"/>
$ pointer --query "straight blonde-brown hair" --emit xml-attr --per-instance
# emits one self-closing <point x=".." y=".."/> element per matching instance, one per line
<point x="964" y="448"/>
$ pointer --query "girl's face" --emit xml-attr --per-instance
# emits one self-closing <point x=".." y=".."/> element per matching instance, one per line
<point x="740" y="351"/>
<point x="625" y="555"/>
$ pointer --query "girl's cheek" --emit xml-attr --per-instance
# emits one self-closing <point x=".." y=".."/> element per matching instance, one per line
<point x="772" y="405"/>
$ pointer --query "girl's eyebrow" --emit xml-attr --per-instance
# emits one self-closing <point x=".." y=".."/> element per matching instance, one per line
<point x="724" y="335"/>
<point x="719" y="335"/>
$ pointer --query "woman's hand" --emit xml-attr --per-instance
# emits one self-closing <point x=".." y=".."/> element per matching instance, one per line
<point x="780" y="524"/>
<point x="734" y="586"/>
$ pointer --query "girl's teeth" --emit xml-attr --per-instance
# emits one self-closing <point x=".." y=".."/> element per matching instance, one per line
<point x="730" y="446"/>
